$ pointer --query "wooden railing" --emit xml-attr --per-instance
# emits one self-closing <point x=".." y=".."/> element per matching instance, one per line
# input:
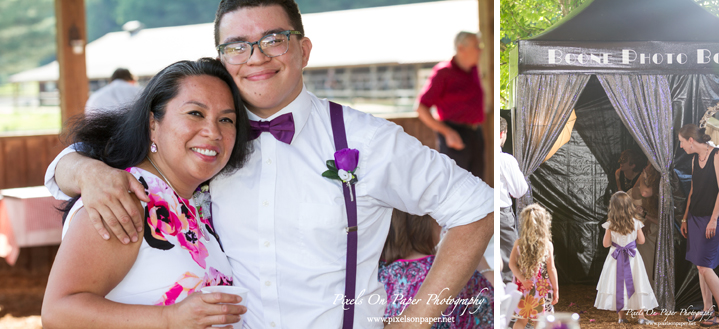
<point x="411" y="125"/>
<point x="23" y="159"/>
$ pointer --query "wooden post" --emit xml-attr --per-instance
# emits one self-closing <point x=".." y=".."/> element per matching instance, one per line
<point x="71" y="39"/>
<point x="486" y="75"/>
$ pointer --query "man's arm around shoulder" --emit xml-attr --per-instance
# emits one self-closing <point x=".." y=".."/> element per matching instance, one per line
<point x="105" y="193"/>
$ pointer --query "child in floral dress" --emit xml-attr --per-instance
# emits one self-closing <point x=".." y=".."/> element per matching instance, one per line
<point x="407" y="258"/>
<point x="532" y="264"/>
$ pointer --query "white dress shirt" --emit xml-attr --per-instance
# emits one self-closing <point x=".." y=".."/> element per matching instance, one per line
<point x="112" y="96"/>
<point x="511" y="180"/>
<point x="282" y="224"/>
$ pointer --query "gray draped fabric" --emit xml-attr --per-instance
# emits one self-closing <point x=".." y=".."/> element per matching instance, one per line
<point x="644" y="104"/>
<point x="543" y="110"/>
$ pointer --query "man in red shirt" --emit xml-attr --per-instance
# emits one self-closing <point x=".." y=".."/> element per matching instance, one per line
<point x="454" y="89"/>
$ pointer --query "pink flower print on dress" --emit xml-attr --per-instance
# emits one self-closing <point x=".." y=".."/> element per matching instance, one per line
<point x="185" y="286"/>
<point x="189" y="283"/>
<point x="162" y="220"/>
<point x="190" y="234"/>
<point x="216" y="278"/>
<point x="189" y="240"/>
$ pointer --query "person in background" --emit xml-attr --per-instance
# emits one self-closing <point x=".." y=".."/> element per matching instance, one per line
<point x="511" y="185"/>
<point x="121" y="90"/>
<point x="454" y="89"/>
<point x="645" y="196"/>
<point x="407" y="257"/>
<point x="700" y="218"/>
<point x="631" y="164"/>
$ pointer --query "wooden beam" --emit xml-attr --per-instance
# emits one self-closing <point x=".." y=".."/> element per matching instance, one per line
<point x="73" y="83"/>
<point x="486" y="75"/>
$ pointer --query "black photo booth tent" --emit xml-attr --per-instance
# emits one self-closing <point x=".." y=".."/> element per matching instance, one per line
<point x="603" y="54"/>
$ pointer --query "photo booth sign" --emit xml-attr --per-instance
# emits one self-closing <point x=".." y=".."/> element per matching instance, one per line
<point x="649" y="57"/>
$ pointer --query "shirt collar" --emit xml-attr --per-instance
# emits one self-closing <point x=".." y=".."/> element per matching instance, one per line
<point x="456" y="67"/>
<point x="300" y="109"/>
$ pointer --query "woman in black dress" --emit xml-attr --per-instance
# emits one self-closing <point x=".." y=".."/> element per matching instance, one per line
<point x="700" y="218"/>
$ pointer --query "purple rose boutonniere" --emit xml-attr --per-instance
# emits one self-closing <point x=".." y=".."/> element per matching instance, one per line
<point x="343" y="167"/>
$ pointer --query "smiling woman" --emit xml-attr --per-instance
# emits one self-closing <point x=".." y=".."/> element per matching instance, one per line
<point x="186" y="127"/>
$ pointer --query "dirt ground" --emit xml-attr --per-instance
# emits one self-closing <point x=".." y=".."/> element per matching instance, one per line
<point x="580" y="299"/>
<point x="22" y="287"/>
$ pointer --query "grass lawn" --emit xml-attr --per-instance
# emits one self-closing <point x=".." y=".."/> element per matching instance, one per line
<point x="23" y="89"/>
<point x="44" y="119"/>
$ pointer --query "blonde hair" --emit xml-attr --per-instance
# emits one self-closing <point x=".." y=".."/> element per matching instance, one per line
<point x="534" y="239"/>
<point x="621" y="213"/>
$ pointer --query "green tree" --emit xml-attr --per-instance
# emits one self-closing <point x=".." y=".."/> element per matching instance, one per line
<point x="711" y="5"/>
<point x="314" y="6"/>
<point x="165" y="13"/>
<point x="104" y="16"/>
<point x="100" y="18"/>
<point x="521" y="19"/>
<point x="27" y="27"/>
<point x="27" y="34"/>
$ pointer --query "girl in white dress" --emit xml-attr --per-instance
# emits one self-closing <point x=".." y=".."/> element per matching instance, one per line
<point x="624" y="269"/>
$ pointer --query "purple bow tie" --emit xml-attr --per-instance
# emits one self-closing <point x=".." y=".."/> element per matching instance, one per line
<point x="282" y="127"/>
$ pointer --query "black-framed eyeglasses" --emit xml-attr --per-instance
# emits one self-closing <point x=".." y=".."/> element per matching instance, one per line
<point x="271" y="45"/>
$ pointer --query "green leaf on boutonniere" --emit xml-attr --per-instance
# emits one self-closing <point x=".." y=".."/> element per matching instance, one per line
<point x="331" y="174"/>
<point x="331" y="165"/>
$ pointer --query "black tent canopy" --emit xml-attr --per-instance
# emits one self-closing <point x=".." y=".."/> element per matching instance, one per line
<point x="634" y="71"/>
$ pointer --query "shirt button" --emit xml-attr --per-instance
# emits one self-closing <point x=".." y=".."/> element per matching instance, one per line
<point x="268" y="283"/>
<point x="272" y="324"/>
<point x="265" y="203"/>
<point x="267" y="243"/>
<point x="269" y="161"/>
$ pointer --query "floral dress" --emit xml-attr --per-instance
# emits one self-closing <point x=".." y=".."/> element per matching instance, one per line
<point x="180" y="254"/>
<point x="402" y="279"/>
<point x="538" y="299"/>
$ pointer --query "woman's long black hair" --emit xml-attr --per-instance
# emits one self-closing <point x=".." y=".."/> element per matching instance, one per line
<point x="121" y="138"/>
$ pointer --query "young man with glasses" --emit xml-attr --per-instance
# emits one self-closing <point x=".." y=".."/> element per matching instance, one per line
<point x="282" y="224"/>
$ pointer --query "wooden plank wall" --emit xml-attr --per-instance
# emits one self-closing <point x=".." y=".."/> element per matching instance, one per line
<point x="416" y="128"/>
<point x="23" y="159"/>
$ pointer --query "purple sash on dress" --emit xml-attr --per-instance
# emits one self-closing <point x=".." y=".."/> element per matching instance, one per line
<point x="624" y="271"/>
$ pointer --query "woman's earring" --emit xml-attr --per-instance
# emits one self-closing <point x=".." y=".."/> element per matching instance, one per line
<point x="153" y="147"/>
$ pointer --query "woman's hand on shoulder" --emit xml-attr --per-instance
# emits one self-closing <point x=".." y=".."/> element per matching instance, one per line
<point x="199" y="311"/>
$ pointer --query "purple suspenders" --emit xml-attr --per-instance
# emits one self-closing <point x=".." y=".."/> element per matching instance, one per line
<point x="340" y="137"/>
